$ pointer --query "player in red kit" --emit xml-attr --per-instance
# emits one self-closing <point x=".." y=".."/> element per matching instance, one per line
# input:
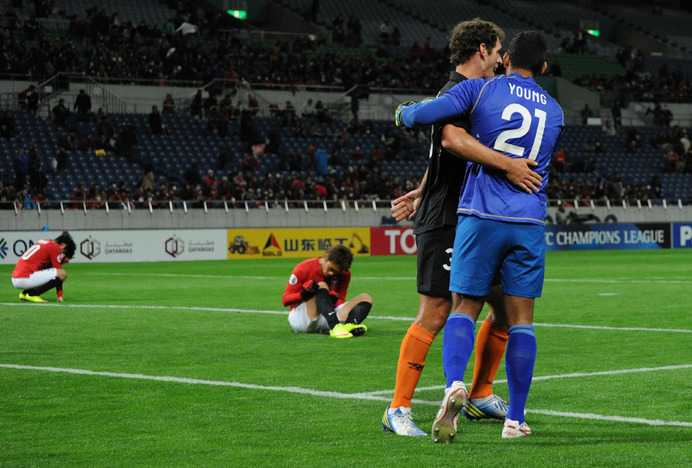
<point x="316" y="294"/>
<point x="40" y="268"/>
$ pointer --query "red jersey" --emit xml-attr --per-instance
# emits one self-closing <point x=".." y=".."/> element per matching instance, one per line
<point x="42" y="255"/>
<point x="310" y="270"/>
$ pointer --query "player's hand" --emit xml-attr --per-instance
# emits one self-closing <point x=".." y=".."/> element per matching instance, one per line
<point x="309" y="290"/>
<point x="520" y="173"/>
<point x="397" y="114"/>
<point x="406" y="206"/>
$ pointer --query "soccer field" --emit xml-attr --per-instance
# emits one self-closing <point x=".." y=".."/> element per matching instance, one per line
<point x="194" y="364"/>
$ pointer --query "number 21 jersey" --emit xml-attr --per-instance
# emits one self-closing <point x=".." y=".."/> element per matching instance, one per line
<point x="512" y="115"/>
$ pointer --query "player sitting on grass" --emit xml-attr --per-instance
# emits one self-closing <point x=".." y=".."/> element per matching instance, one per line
<point x="316" y="294"/>
<point x="40" y="268"/>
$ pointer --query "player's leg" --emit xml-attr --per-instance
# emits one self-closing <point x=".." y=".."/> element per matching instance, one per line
<point x="354" y="312"/>
<point x="519" y="363"/>
<point x="432" y="314"/>
<point x="457" y="345"/>
<point x="38" y="283"/>
<point x="323" y="304"/>
<point x="522" y="278"/>
<point x="491" y="341"/>
<point x="474" y="265"/>
<point x="434" y="249"/>
<point x="303" y="318"/>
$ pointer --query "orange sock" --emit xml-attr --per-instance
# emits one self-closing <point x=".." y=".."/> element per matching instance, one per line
<point x="490" y="346"/>
<point x="414" y="349"/>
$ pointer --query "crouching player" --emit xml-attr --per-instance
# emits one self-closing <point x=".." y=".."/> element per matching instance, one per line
<point x="40" y="268"/>
<point x="316" y="295"/>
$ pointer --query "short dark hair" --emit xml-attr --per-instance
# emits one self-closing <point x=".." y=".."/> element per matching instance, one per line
<point x="70" y="247"/>
<point x="466" y="38"/>
<point x="527" y="51"/>
<point x="341" y="256"/>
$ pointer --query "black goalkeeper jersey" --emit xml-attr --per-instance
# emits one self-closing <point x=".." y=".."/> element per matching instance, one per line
<point x="438" y="208"/>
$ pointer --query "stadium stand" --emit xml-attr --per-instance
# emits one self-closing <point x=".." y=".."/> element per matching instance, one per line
<point x="599" y="165"/>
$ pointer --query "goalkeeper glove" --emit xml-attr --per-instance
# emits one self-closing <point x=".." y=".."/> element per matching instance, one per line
<point x="309" y="290"/>
<point x="398" y="120"/>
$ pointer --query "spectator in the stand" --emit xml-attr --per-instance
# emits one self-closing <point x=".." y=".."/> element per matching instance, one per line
<point x="273" y="140"/>
<point x="579" y="43"/>
<point x="168" y="104"/>
<point x="148" y="182"/>
<point x="79" y="195"/>
<point x="82" y="105"/>
<point x="95" y="196"/>
<point x="87" y="143"/>
<point x="104" y="127"/>
<point x="586" y="114"/>
<point x="671" y="161"/>
<point x="33" y="162"/>
<point x="322" y="113"/>
<point x="7" y="126"/>
<point x="61" y="160"/>
<point x="20" y="163"/>
<point x="30" y="98"/>
<point x="156" y="126"/>
<point x="633" y="141"/>
<point x="126" y="143"/>
<point x="308" y="109"/>
<point x="385" y="32"/>
<point x="617" y="115"/>
<point x="210" y="179"/>
<point x="608" y="128"/>
<point x="289" y="114"/>
<point x="66" y="141"/>
<point x="252" y="104"/>
<point x="197" y="105"/>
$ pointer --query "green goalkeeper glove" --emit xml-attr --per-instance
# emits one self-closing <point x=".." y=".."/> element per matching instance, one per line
<point x="397" y="114"/>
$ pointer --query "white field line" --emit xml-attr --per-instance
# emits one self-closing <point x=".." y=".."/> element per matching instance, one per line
<point x="563" y="376"/>
<point x="655" y="279"/>
<point x="318" y="393"/>
<point x="279" y="312"/>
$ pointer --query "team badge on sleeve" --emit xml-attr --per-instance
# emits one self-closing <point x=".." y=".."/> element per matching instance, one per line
<point x="293" y="280"/>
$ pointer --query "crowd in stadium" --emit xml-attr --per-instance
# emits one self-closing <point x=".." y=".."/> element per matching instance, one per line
<point x="120" y="50"/>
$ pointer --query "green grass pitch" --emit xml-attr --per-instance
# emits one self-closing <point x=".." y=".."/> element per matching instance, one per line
<point x="194" y="364"/>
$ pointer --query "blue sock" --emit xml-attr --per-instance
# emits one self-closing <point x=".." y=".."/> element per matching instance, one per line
<point x="457" y="344"/>
<point x="519" y="361"/>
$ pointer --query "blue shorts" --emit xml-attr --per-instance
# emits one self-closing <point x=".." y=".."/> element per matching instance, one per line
<point x="484" y="247"/>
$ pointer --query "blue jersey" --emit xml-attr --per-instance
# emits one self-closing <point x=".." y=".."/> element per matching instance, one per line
<point x="512" y="115"/>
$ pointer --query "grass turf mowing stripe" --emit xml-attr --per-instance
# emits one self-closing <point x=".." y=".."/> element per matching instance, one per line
<point x="279" y="312"/>
<point x="318" y="393"/>
<point x="656" y="280"/>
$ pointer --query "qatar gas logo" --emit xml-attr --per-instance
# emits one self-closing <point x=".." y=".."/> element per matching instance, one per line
<point x="90" y="248"/>
<point x="174" y="246"/>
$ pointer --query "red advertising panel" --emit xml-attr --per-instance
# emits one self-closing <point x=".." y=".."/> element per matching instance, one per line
<point x="393" y="241"/>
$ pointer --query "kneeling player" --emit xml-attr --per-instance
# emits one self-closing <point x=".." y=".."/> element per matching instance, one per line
<point x="40" y="268"/>
<point x="316" y="294"/>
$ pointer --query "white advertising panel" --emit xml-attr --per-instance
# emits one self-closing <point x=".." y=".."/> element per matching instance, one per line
<point x="124" y="246"/>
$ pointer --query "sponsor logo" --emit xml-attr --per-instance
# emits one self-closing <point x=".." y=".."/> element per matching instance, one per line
<point x="416" y="366"/>
<point x="272" y="247"/>
<point x="3" y="248"/>
<point x="241" y="246"/>
<point x="90" y="248"/>
<point x="201" y="246"/>
<point x="124" y="248"/>
<point x="174" y="246"/>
